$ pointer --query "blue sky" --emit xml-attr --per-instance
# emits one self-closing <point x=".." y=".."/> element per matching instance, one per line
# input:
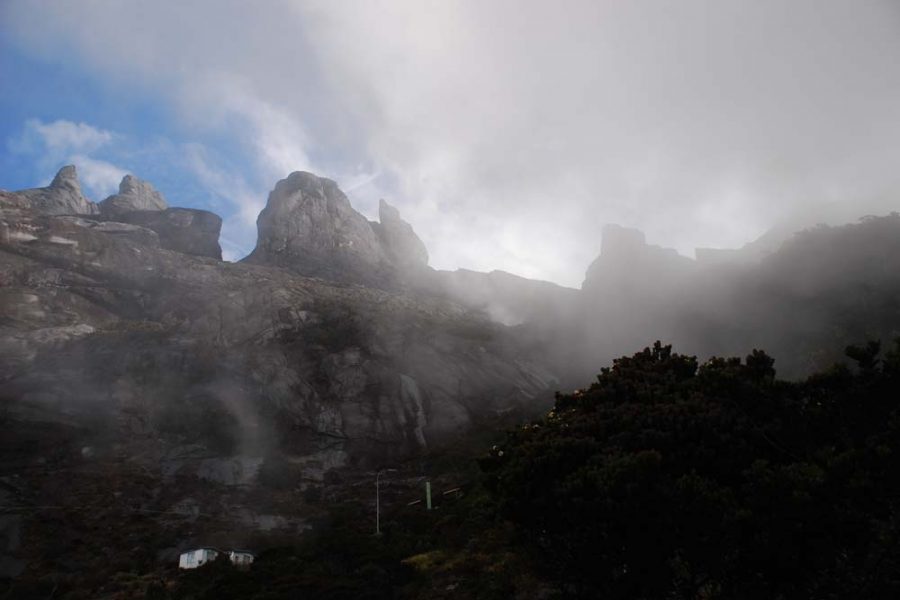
<point x="506" y="132"/>
<point x="55" y="112"/>
<point x="57" y="108"/>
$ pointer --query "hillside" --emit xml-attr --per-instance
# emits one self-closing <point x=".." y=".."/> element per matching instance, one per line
<point x="157" y="398"/>
<point x="666" y="478"/>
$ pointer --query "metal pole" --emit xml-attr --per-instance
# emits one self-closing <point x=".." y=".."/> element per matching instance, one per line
<point x="428" y="494"/>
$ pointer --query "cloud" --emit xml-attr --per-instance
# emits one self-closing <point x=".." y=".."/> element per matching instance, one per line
<point x="59" y="138"/>
<point x="508" y="132"/>
<point x="239" y="228"/>
<point x="100" y="177"/>
<point x="53" y="144"/>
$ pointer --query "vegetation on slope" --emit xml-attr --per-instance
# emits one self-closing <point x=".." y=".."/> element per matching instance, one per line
<point x="664" y="479"/>
<point x="669" y="479"/>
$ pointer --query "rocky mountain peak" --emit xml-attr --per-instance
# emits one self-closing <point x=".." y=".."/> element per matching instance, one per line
<point x="402" y="244"/>
<point x="386" y="212"/>
<point x="621" y="242"/>
<point x="309" y="226"/>
<point x="62" y="197"/>
<point x="627" y="259"/>
<point x="66" y="179"/>
<point x="134" y="194"/>
<point x="309" y="184"/>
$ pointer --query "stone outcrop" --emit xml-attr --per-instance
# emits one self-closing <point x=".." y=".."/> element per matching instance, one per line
<point x="627" y="262"/>
<point x="62" y="197"/>
<point x="134" y="194"/>
<point x="104" y="319"/>
<point x="186" y="230"/>
<point x="309" y="226"/>
<point x="633" y="293"/>
<point x="404" y="248"/>
<point x="167" y="386"/>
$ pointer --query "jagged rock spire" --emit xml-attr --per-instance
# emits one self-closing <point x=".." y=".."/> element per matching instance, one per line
<point x="309" y="226"/>
<point x="62" y="197"/>
<point x="134" y="194"/>
<point x="403" y="246"/>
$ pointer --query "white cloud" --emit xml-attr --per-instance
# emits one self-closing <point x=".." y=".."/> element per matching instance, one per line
<point x="65" y="142"/>
<point x="59" y="138"/>
<point x="98" y="177"/>
<point x="239" y="225"/>
<point x="509" y="131"/>
<point x="66" y="136"/>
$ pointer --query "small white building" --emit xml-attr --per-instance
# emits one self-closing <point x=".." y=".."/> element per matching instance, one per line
<point x="199" y="557"/>
<point x="196" y="558"/>
<point x="240" y="558"/>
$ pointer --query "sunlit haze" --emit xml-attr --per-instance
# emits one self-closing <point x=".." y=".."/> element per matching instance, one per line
<point x="506" y="132"/>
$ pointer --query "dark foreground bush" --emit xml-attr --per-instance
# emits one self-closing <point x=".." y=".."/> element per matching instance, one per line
<point x="669" y="479"/>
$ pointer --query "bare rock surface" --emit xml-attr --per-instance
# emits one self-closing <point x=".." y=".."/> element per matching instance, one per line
<point x="186" y="230"/>
<point x="134" y="194"/>
<point x="309" y="227"/>
<point x="203" y="402"/>
<point x="401" y="243"/>
<point x="627" y="262"/>
<point x="124" y="321"/>
<point x="62" y="197"/>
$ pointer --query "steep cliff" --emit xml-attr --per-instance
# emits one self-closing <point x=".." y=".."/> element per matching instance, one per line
<point x="105" y="316"/>
<point x="309" y="227"/>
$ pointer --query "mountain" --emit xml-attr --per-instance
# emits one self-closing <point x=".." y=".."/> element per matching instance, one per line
<point x="803" y="297"/>
<point x="145" y="381"/>
<point x="131" y="352"/>
<point x="309" y="227"/>
<point x="124" y="301"/>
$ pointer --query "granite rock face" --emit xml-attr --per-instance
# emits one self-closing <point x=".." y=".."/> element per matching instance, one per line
<point x="62" y="197"/>
<point x="134" y="194"/>
<point x="142" y="372"/>
<point x="106" y="323"/>
<point x="402" y="245"/>
<point x="309" y="227"/>
<point x="627" y="262"/>
<point x="186" y="230"/>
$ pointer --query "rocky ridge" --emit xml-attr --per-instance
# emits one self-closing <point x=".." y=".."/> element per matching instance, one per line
<point x="347" y="366"/>
<point x="134" y="361"/>
<point x="400" y="242"/>
<point x="62" y="197"/>
<point x="309" y="227"/>
<point x="129" y="352"/>
<point x="134" y="194"/>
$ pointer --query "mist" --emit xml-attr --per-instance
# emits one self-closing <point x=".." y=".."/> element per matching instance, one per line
<point x="511" y="132"/>
<point x="417" y="299"/>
